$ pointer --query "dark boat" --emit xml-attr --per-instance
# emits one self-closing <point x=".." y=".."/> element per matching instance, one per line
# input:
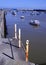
<point x="14" y="13"/>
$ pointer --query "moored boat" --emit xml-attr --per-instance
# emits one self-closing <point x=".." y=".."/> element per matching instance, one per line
<point x="13" y="12"/>
<point x="22" y="17"/>
<point x="35" y="22"/>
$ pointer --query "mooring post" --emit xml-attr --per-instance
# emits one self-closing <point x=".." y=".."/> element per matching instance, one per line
<point x="15" y="31"/>
<point x="19" y="37"/>
<point x="27" y="50"/>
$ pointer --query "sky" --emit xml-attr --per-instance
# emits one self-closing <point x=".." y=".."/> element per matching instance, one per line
<point x="33" y="4"/>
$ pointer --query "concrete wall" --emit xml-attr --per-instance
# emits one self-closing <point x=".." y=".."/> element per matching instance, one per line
<point x="2" y="24"/>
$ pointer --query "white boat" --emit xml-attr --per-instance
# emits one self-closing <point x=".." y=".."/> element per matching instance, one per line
<point x="22" y="17"/>
<point x="35" y="22"/>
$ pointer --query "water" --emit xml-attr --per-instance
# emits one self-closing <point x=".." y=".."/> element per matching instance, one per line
<point x="36" y="35"/>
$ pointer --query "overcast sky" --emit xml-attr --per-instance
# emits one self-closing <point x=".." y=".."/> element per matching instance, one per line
<point x="34" y="4"/>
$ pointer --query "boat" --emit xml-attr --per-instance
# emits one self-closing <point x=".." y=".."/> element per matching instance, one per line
<point x="13" y="12"/>
<point x="22" y="17"/>
<point x="35" y="22"/>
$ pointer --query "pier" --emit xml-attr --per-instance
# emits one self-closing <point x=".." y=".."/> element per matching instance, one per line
<point x="11" y="54"/>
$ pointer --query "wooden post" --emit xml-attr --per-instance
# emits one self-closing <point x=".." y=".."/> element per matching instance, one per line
<point x="19" y="37"/>
<point x="15" y="31"/>
<point x="27" y="50"/>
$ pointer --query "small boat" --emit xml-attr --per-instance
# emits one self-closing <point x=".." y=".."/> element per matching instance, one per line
<point x="22" y="17"/>
<point x="14" y="13"/>
<point x="35" y="22"/>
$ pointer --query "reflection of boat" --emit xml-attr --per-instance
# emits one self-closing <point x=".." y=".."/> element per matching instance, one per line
<point x="35" y="22"/>
<point x="22" y="17"/>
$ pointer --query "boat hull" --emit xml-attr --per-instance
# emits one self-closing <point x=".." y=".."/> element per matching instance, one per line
<point x="33" y="24"/>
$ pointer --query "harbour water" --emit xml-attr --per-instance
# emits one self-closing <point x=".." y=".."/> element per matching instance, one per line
<point x="36" y="35"/>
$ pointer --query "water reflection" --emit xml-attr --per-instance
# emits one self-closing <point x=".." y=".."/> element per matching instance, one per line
<point x="35" y="27"/>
